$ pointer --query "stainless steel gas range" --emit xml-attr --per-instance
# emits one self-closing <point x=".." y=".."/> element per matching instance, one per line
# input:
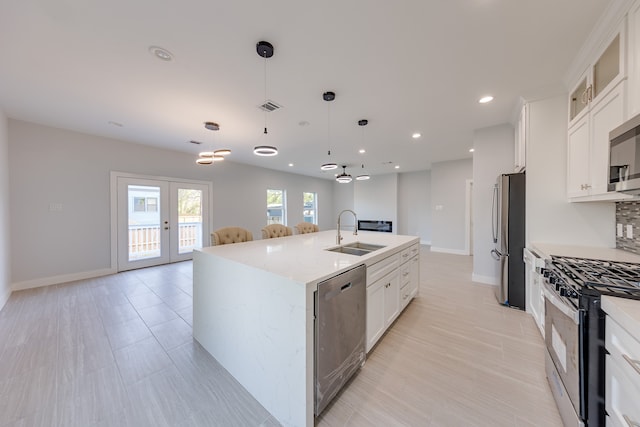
<point x="574" y="332"/>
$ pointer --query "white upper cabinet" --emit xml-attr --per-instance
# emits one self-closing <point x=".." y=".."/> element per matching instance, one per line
<point x="605" y="72"/>
<point x="597" y="104"/>
<point x="521" y="130"/>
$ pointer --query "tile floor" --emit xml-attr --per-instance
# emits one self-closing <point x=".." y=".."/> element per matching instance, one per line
<point x="118" y="351"/>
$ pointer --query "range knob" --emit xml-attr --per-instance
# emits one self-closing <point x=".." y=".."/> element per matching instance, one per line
<point x="563" y="290"/>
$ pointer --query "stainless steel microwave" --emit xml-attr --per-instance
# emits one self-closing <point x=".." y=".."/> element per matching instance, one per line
<point x="624" y="157"/>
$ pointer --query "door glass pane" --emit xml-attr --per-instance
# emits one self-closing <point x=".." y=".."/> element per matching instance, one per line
<point x="189" y="220"/>
<point x="578" y="99"/>
<point x="144" y="222"/>
<point x="607" y="67"/>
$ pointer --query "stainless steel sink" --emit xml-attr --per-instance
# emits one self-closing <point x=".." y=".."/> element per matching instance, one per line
<point x="356" y="248"/>
<point x="364" y="246"/>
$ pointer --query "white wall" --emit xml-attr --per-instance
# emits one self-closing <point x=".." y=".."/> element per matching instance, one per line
<point x="448" y="181"/>
<point x="493" y="155"/>
<point x="5" y="259"/>
<point x="414" y="205"/>
<point x="49" y="165"/>
<point x="550" y="219"/>
<point x="343" y="198"/>
<point x="377" y="199"/>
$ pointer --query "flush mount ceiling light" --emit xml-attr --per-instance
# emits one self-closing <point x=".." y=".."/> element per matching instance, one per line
<point x="364" y="176"/>
<point x="265" y="50"/>
<point x="208" y="157"/>
<point x="471" y="150"/>
<point x="485" y="99"/>
<point x="329" y="96"/>
<point x="416" y="135"/>
<point x="344" y="177"/>
<point x="161" y="53"/>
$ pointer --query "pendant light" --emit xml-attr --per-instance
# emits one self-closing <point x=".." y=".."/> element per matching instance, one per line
<point x="209" y="157"/>
<point x="329" y="96"/>
<point x="265" y="50"/>
<point x="344" y="177"/>
<point x="362" y="177"/>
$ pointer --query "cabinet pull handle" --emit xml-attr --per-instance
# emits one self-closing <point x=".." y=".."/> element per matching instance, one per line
<point x="630" y="422"/>
<point x="635" y="364"/>
<point x="585" y="96"/>
<point x="590" y="89"/>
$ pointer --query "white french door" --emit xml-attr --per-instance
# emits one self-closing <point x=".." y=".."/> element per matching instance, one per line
<point x="159" y="221"/>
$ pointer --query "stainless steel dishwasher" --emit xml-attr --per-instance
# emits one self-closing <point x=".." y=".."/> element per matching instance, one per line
<point x="340" y="320"/>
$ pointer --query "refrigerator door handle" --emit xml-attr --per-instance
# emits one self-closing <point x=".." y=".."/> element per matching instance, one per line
<point x="494" y="212"/>
<point x="495" y="254"/>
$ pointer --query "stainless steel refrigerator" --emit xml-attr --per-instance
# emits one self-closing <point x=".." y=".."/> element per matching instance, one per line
<point x="508" y="226"/>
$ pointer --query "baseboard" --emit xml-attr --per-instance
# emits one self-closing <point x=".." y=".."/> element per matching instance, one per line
<point x="488" y="280"/>
<point x="425" y="242"/>
<point x="4" y="298"/>
<point x="64" y="278"/>
<point x="449" y="251"/>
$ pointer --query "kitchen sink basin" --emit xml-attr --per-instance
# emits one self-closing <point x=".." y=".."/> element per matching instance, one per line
<point x="364" y="246"/>
<point x="356" y="248"/>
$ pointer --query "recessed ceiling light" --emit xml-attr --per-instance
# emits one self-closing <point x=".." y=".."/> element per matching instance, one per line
<point x="397" y="166"/>
<point x="471" y="150"/>
<point x="161" y="53"/>
<point x="290" y="165"/>
<point x="362" y="151"/>
<point x="416" y="135"/>
<point x="485" y="99"/>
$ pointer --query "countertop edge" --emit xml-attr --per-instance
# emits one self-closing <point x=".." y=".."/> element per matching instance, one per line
<point x="625" y="311"/>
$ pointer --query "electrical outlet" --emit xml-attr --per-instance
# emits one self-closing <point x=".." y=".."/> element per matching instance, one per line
<point x="629" y="231"/>
<point x="55" y="207"/>
<point x="618" y="230"/>
<point x="439" y="207"/>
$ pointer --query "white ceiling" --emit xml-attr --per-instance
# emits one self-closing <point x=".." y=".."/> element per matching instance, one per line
<point x="406" y="66"/>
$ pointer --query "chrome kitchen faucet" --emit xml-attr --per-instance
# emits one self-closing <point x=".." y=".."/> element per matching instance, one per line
<point x="355" y="225"/>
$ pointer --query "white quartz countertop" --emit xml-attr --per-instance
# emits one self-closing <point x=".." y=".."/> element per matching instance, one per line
<point x="546" y="250"/>
<point x="626" y="312"/>
<point x="303" y="258"/>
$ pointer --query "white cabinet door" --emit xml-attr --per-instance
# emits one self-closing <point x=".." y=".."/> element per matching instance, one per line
<point x="578" y="159"/>
<point x="375" y="312"/>
<point x="606" y="114"/>
<point x="521" y="141"/>
<point x="633" y="88"/>
<point x="391" y="298"/>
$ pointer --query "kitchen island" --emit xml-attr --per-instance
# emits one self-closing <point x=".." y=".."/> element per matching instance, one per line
<point x="253" y="310"/>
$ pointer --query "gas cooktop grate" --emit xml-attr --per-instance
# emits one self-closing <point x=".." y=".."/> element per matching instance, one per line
<point x="604" y="277"/>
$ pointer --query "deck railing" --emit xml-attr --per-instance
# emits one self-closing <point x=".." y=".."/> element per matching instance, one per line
<point x="144" y="240"/>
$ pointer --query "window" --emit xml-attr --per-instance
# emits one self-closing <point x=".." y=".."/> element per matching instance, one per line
<point x="276" y="211"/>
<point x="144" y="204"/>
<point x="310" y="212"/>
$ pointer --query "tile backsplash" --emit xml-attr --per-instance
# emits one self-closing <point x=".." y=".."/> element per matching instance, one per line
<point x="628" y="214"/>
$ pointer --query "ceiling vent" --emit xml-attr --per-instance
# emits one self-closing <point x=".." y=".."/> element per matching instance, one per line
<point x="194" y="142"/>
<point x="269" y="106"/>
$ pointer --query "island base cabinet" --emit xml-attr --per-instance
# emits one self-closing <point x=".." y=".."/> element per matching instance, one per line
<point x="383" y="306"/>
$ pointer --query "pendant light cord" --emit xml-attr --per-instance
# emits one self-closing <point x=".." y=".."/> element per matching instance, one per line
<point x="265" y="93"/>
<point x="329" y="129"/>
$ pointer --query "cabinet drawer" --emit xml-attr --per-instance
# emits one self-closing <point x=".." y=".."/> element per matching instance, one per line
<point x="405" y="274"/>
<point x="621" y="394"/>
<point x="624" y="349"/>
<point x="379" y="269"/>
<point x="409" y="253"/>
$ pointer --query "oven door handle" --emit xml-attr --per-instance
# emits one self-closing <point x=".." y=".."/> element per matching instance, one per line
<point x="565" y="308"/>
